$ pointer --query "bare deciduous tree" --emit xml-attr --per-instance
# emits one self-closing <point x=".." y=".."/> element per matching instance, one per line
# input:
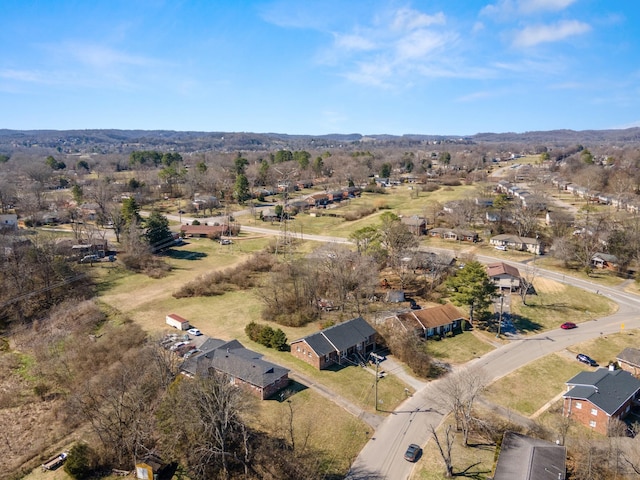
<point x="445" y="445"/>
<point x="458" y="392"/>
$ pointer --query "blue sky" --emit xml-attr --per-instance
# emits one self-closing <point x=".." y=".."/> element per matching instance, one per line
<point x="320" y="66"/>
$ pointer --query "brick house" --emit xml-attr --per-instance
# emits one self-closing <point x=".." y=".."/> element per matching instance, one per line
<point x="243" y="367"/>
<point x="354" y="338"/>
<point x="417" y="225"/>
<point x="428" y="322"/>
<point x="595" y="398"/>
<point x="629" y="360"/>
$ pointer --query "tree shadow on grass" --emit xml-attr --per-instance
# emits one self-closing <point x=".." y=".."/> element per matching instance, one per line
<point x="524" y="324"/>
<point x="185" y="255"/>
<point x="471" y="472"/>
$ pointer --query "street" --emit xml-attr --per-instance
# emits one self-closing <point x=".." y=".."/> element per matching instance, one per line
<point x="382" y="456"/>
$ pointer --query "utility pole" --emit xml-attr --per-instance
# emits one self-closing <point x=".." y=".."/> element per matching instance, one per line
<point x="377" y="370"/>
<point x="501" y="307"/>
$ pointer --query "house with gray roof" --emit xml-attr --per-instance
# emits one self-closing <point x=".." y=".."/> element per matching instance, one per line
<point x="604" y="260"/>
<point x="243" y="367"/>
<point x="350" y="341"/>
<point x="516" y="242"/>
<point x="629" y="360"/>
<point x="595" y="398"/>
<point x="526" y="458"/>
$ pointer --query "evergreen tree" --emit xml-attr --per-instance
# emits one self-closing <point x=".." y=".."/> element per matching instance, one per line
<point x="472" y="286"/>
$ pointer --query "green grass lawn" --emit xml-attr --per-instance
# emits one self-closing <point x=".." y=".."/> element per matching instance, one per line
<point x="459" y="349"/>
<point x="599" y="276"/>
<point x="468" y="462"/>
<point x="555" y="304"/>
<point x="604" y="349"/>
<point x="527" y="389"/>
<point x="400" y="200"/>
<point x="339" y="440"/>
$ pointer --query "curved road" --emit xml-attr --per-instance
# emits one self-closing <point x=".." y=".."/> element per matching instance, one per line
<point x="382" y="456"/>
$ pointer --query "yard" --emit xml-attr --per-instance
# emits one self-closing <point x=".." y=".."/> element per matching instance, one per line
<point x="555" y="303"/>
<point x="459" y="349"/>
<point x="468" y="462"/>
<point x="605" y="348"/>
<point x="400" y="200"/>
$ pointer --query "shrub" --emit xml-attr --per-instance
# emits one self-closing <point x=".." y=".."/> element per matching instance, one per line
<point x="80" y="461"/>
<point x="267" y="336"/>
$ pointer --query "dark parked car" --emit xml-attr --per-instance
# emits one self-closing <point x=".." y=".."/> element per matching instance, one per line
<point x="581" y="357"/>
<point x="412" y="453"/>
<point x="568" y="325"/>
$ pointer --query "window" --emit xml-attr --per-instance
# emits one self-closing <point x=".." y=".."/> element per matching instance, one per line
<point x="594" y="411"/>
<point x="298" y="348"/>
<point x="579" y="405"/>
<point x="592" y="424"/>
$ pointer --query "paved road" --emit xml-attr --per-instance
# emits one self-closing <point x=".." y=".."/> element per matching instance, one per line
<point x="381" y="458"/>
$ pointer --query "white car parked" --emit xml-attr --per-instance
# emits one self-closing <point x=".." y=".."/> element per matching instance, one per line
<point x="195" y="332"/>
<point x="501" y="247"/>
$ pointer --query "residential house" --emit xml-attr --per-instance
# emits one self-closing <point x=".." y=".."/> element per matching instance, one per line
<point x="523" y="457"/>
<point x="318" y="200"/>
<point x="428" y="322"/>
<point x="596" y="398"/>
<point x="629" y="360"/>
<point x="353" y="192"/>
<point x="204" y="231"/>
<point x="354" y="338"/>
<point x="417" y="225"/>
<point x="336" y="196"/>
<point x="269" y="215"/>
<point x="505" y="276"/>
<point x="454" y="234"/>
<point x="604" y="260"/>
<point x="243" y="367"/>
<point x="516" y="242"/>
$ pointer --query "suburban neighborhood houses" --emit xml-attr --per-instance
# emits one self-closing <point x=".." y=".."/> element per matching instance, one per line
<point x="349" y="293"/>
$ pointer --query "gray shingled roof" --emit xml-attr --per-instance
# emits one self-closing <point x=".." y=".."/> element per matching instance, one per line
<point x="527" y="458"/>
<point x="339" y="337"/>
<point x="607" y="390"/>
<point x="630" y="355"/>
<point x="234" y="360"/>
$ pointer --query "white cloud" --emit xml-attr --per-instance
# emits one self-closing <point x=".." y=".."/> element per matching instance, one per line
<point x="534" y="35"/>
<point x="506" y="9"/>
<point x="409" y="19"/>
<point x="420" y="44"/>
<point x="530" y="6"/>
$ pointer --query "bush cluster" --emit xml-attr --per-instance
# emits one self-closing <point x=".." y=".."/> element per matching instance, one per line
<point x="242" y="277"/>
<point x="361" y="212"/>
<point x="267" y="336"/>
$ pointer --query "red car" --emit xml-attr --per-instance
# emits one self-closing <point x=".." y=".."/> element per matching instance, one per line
<point x="568" y="325"/>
